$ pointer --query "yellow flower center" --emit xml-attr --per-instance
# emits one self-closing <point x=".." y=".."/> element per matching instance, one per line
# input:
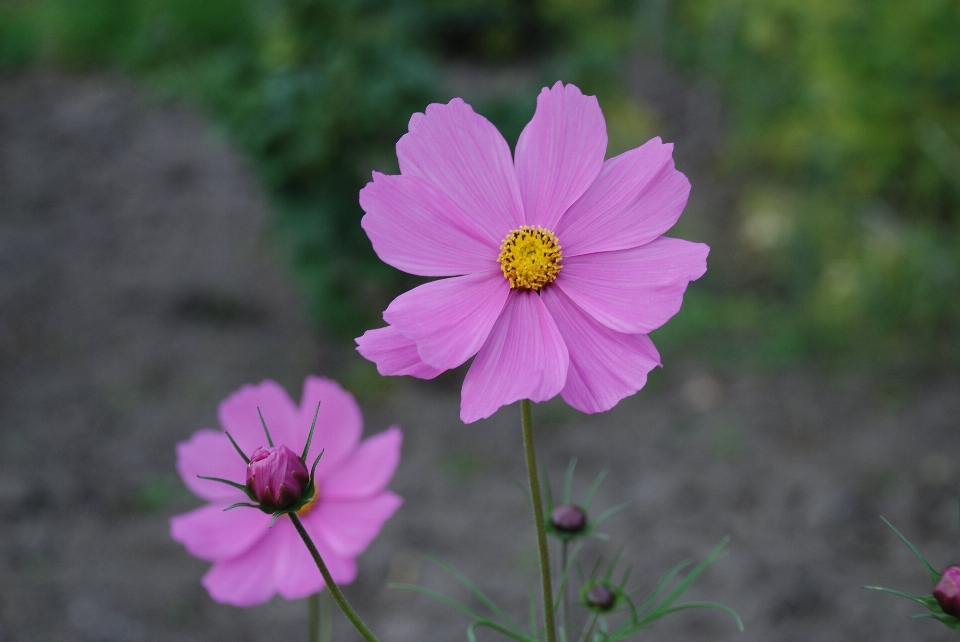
<point x="309" y="506"/>
<point x="530" y="257"/>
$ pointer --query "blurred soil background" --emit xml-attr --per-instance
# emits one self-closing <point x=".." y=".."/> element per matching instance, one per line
<point x="178" y="216"/>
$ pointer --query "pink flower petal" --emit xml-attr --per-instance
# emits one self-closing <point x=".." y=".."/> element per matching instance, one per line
<point x="295" y="574"/>
<point x="368" y="470"/>
<point x="349" y="526"/>
<point x="339" y="424"/>
<point x="238" y="415"/>
<point x="210" y="453"/>
<point x="605" y="366"/>
<point x="559" y="153"/>
<point x="342" y="567"/>
<point x="634" y="291"/>
<point x="523" y="358"/>
<point x="212" y="533"/>
<point x="638" y="196"/>
<point x="418" y="229"/>
<point x="450" y="319"/>
<point x="394" y="354"/>
<point x="464" y="156"/>
<point x="247" y="579"/>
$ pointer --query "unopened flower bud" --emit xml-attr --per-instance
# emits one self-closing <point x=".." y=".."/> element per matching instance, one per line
<point x="276" y="477"/>
<point x="600" y="597"/>
<point x="568" y="518"/>
<point x="947" y="591"/>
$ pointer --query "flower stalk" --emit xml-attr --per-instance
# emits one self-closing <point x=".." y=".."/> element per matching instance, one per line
<point x="331" y="585"/>
<point x="548" y="619"/>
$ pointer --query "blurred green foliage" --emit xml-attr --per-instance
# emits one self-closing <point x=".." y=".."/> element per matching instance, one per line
<point x="844" y="136"/>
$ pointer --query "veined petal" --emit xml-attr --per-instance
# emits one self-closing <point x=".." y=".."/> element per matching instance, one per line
<point x="394" y="354"/>
<point x="417" y="228"/>
<point x="211" y="533"/>
<point x="339" y="424"/>
<point x="463" y="155"/>
<point x="449" y="319"/>
<point x="238" y="415"/>
<point x="605" y="366"/>
<point x="638" y="196"/>
<point x="210" y="453"/>
<point x="637" y="290"/>
<point x="523" y="358"/>
<point x="350" y="526"/>
<point x="559" y="153"/>
<point x="368" y="470"/>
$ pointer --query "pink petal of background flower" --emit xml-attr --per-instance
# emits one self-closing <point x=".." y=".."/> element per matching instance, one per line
<point x="251" y="562"/>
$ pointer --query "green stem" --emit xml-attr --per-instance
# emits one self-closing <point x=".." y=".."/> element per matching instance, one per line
<point x="548" y="622"/>
<point x="313" y="603"/>
<point x="588" y="631"/>
<point x="331" y="585"/>
<point x="566" y="588"/>
<point x="326" y="617"/>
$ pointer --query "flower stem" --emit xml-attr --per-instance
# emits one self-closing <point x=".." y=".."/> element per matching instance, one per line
<point x="313" y="603"/>
<point x="548" y="621"/>
<point x="566" y="588"/>
<point x="331" y="585"/>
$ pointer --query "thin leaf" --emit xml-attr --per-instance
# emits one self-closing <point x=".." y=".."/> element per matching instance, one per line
<point x="565" y="576"/>
<point x="269" y="439"/>
<point x="593" y="489"/>
<point x="437" y="595"/>
<point x="496" y="627"/>
<point x="934" y="575"/>
<point x="306" y="447"/>
<point x="697" y="570"/>
<point x="480" y="595"/>
<point x="707" y="605"/>
<point x="568" y="480"/>
<point x="915" y="598"/>
<point x="610" y="512"/>
<point x="662" y="584"/>
<point x="230" y="437"/>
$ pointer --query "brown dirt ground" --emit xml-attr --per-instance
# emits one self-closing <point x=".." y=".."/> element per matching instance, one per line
<point x="139" y="286"/>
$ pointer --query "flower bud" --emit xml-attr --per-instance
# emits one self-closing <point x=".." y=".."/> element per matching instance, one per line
<point x="947" y="591"/>
<point x="600" y="597"/>
<point x="568" y="518"/>
<point x="276" y="477"/>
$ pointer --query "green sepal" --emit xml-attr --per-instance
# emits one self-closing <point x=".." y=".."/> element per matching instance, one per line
<point x="264" y="423"/>
<point x="276" y="516"/>
<point x="238" y="504"/>
<point x="313" y="470"/>
<point x="306" y="446"/>
<point x="237" y="447"/>
<point x="231" y="483"/>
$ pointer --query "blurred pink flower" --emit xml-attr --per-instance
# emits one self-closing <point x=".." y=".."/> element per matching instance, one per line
<point x="251" y="562"/>
<point x="559" y="267"/>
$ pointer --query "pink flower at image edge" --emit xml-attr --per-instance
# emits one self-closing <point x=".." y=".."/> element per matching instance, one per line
<point x="252" y="562"/>
<point x="558" y="267"/>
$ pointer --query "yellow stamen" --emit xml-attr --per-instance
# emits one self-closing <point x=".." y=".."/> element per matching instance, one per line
<point x="309" y="506"/>
<point x="530" y="257"/>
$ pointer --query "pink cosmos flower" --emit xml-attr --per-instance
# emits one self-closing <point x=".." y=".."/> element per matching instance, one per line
<point x="251" y="561"/>
<point x="559" y="270"/>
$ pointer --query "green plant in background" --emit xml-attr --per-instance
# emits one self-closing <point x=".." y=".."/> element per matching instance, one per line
<point x="844" y="132"/>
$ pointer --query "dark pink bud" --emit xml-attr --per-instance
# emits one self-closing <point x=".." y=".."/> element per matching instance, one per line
<point x="568" y="518"/>
<point x="601" y="598"/>
<point x="276" y="477"/>
<point x="947" y="591"/>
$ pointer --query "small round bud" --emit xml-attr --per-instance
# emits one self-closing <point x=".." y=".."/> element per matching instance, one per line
<point x="276" y="477"/>
<point x="568" y="518"/>
<point x="947" y="591"/>
<point x="601" y="598"/>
